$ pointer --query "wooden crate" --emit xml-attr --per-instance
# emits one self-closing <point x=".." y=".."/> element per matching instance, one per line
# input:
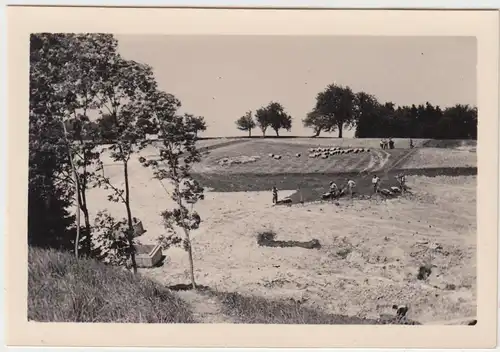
<point x="148" y="256"/>
<point x="138" y="229"/>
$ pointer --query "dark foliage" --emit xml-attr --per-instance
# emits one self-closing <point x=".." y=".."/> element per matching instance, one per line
<point x="49" y="223"/>
<point x="338" y="107"/>
<point x="422" y="121"/>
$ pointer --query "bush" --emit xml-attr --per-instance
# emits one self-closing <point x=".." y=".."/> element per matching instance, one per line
<point x="64" y="289"/>
<point x="110" y="243"/>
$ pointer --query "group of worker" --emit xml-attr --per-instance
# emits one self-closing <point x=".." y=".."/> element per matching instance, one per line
<point x="335" y="191"/>
<point x="387" y="143"/>
<point x="401" y="178"/>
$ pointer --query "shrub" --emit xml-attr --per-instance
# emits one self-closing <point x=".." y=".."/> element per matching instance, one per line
<point x="110" y="243"/>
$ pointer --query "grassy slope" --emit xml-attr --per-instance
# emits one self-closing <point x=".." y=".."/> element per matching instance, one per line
<point x="258" y="310"/>
<point x="289" y="163"/>
<point x="62" y="289"/>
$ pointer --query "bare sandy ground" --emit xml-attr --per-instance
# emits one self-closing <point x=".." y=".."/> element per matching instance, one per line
<point x="370" y="255"/>
<point x="371" y="250"/>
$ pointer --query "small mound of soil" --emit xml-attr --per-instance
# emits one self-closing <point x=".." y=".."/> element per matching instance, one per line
<point x="267" y="239"/>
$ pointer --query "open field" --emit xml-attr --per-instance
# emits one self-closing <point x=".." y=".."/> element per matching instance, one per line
<point x="375" y="159"/>
<point x="371" y="249"/>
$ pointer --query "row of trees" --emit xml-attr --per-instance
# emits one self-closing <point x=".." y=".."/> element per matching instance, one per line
<point x="73" y="77"/>
<point x="271" y="116"/>
<point x="338" y="107"/>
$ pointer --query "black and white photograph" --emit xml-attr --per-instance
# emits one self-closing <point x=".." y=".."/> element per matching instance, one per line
<point x="252" y="178"/>
<point x="245" y="179"/>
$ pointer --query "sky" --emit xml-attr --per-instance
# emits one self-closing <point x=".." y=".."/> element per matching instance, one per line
<point x="222" y="77"/>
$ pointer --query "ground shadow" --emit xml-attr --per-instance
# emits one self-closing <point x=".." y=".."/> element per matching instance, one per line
<point x="266" y="239"/>
<point x="187" y="287"/>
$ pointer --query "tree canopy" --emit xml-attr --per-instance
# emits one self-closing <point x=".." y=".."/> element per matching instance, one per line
<point x="335" y="105"/>
<point x="273" y="115"/>
<point x="339" y="107"/>
<point x="73" y="77"/>
<point x="196" y="123"/>
<point x="422" y="121"/>
<point x="246" y="123"/>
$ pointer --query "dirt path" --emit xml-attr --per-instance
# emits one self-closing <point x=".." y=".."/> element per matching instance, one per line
<point x="205" y="309"/>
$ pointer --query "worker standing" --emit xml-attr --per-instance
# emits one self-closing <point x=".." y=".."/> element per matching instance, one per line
<point x="402" y="182"/>
<point x="375" y="183"/>
<point x="350" y="186"/>
<point x="333" y="189"/>
<point x="275" y="195"/>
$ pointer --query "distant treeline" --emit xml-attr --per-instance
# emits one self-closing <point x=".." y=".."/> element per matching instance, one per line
<point x="338" y="107"/>
<point x="422" y="121"/>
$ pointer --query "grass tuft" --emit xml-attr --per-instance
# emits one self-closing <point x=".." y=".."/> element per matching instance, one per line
<point x="64" y="289"/>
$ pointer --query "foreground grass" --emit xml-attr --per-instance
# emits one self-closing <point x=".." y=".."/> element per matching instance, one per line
<point x="257" y="310"/>
<point x="63" y="289"/>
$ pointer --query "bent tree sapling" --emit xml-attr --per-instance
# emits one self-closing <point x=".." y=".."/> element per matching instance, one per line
<point x="177" y="154"/>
